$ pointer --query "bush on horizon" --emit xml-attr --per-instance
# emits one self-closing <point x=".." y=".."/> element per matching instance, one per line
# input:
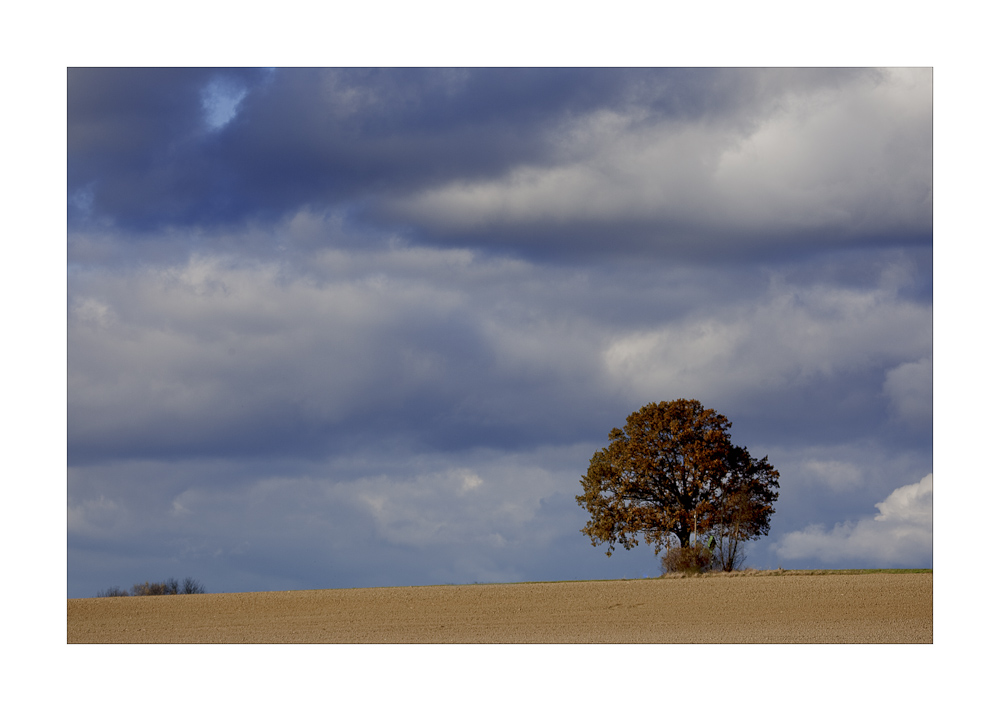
<point x="692" y="559"/>
<point x="170" y="586"/>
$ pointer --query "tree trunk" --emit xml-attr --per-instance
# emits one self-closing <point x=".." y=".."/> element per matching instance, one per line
<point x="684" y="533"/>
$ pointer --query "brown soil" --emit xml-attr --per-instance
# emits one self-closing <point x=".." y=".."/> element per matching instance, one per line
<point x="871" y="608"/>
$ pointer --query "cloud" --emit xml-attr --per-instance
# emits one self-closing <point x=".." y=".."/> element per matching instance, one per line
<point x="487" y="505"/>
<point x="305" y="137"/>
<point x="92" y="518"/>
<point x="909" y="389"/>
<point x="851" y="160"/>
<point x="908" y="504"/>
<point x="311" y="340"/>
<point x="215" y="355"/>
<point x="833" y="473"/>
<point x="791" y="338"/>
<point x="139" y="149"/>
<point x="898" y="536"/>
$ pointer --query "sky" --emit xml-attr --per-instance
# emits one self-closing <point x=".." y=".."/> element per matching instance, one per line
<point x="337" y="328"/>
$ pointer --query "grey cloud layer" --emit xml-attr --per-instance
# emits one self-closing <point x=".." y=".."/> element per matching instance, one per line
<point x="452" y="350"/>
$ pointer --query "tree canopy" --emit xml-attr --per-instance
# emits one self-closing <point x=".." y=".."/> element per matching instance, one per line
<point x="671" y="471"/>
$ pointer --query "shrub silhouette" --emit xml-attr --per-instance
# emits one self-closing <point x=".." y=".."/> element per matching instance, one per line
<point x="192" y="587"/>
<point x="170" y="586"/>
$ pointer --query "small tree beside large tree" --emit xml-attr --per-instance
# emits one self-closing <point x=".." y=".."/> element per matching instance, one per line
<point x="673" y="472"/>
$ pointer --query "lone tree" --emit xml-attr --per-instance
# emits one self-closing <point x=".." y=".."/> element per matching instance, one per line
<point x="672" y="472"/>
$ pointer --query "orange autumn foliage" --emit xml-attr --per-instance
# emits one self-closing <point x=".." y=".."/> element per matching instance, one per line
<point x="671" y="469"/>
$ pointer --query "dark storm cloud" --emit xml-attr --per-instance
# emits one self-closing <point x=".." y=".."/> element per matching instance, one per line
<point x="138" y="139"/>
<point x="538" y="161"/>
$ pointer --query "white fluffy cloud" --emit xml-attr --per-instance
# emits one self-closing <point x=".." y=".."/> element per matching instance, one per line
<point x="899" y="535"/>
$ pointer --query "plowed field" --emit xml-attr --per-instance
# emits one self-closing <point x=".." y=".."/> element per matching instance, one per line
<point x="787" y="608"/>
